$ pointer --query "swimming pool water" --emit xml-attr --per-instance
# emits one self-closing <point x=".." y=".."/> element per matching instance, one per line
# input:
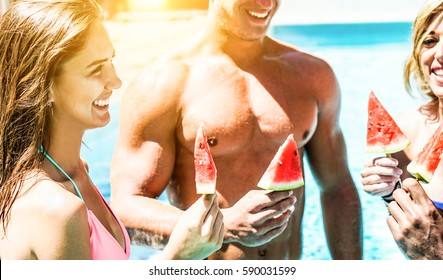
<point x="364" y="57"/>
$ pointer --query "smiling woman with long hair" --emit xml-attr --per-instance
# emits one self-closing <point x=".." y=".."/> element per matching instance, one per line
<point x="56" y="80"/>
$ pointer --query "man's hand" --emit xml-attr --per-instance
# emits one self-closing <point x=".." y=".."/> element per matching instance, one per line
<point x="416" y="224"/>
<point x="258" y="217"/>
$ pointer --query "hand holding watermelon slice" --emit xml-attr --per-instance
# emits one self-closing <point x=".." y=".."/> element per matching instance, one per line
<point x="284" y="171"/>
<point x="383" y="134"/>
<point x="205" y="171"/>
<point x="424" y="165"/>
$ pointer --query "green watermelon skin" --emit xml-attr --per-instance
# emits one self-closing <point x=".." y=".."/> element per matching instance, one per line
<point x="383" y="134"/>
<point x="205" y="170"/>
<point x="284" y="172"/>
<point x="424" y="165"/>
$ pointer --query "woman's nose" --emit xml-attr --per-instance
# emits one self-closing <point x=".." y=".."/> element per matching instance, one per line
<point x="114" y="81"/>
<point x="264" y="3"/>
<point x="439" y="52"/>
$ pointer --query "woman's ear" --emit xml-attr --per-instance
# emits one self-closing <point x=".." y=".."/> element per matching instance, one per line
<point x="50" y="96"/>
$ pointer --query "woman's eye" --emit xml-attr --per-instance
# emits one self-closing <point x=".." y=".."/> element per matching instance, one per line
<point x="429" y="42"/>
<point x="97" y="70"/>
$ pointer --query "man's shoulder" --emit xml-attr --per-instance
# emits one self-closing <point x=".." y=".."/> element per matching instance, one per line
<point x="164" y="74"/>
<point x="159" y="85"/>
<point x="166" y="65"/>
<point x="174" y="70"/>
<point x="299" y="61"/>
<point x="291" y="53"/>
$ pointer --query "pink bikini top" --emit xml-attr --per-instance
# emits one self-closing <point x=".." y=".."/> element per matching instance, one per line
<point x="103" y="245"/>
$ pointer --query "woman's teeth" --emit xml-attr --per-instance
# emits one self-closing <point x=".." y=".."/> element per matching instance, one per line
<point x="101" y="102"/>
<point x="258" y="15"/>
<point x="438" y="72"/>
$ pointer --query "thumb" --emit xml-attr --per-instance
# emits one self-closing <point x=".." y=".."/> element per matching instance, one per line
<point x="416" y="191"/>
<point x="208" y="200"/>
<point x="202" y="206"/>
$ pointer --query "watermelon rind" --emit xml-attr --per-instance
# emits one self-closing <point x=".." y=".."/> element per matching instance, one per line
<point x="420" y="172"/>
<point x="265" y="183"/>
<point x="388" y="149"/>
<point x="205" y="188"/>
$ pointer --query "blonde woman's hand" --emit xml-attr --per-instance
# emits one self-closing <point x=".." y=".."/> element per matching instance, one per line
<point x="380" y="176"/>
<point x="199" y="231"/>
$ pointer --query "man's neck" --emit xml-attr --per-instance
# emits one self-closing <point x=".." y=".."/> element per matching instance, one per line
<point x="241" y="51"/>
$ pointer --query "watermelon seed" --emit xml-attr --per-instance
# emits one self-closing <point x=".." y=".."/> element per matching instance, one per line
<point x="280" y="162"/>
<point x="201" y="145"/>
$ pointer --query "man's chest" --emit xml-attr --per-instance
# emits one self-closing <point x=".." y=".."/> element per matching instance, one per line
<point x="239" y="110"/>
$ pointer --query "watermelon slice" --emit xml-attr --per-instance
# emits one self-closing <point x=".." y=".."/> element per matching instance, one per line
<point x="383" y="134"/>
<point x="205" y="171"/>
<point x="424" y="165"/>
<point x="284" y="172"/>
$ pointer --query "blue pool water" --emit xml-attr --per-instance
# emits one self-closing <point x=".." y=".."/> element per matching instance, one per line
<point x="364" y="57"/>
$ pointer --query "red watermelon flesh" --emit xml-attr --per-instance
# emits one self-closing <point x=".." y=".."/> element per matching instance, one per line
<point x="284" y="172"/>
<point x="205" y="171"/>
<point x="383" y="135"/>
<point x="424" y="165"/>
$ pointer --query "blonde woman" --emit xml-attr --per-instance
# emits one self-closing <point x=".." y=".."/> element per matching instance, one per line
<point x="416" y="221"/>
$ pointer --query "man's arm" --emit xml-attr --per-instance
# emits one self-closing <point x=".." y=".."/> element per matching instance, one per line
<point x="144" y="155"/>
<point x="327" y="156"/>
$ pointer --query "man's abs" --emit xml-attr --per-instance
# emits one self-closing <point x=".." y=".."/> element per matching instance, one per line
<point x="287" y="246"/>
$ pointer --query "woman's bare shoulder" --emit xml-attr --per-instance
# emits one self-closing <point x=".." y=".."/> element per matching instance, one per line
<point x="409" y="120"/>
<point x="43" y="219"/>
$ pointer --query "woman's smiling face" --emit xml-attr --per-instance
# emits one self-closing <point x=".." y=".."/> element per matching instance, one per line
<point x="431" y="56"/>
<point x="82" y="89"/>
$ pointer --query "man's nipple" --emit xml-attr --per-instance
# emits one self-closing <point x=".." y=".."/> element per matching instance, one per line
<point x="212" y="141"/>
<point x="262" y="252"/>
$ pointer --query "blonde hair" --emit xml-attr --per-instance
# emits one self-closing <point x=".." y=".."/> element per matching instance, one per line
<point x="36" y="37"/>
<point x="429" y="12"/>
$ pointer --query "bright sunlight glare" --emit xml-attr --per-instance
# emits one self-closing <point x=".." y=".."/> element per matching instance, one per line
<point x="149" y="4"/>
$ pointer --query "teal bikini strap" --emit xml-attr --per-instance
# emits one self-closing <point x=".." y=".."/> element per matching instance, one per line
<point x="62" y="171"/>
